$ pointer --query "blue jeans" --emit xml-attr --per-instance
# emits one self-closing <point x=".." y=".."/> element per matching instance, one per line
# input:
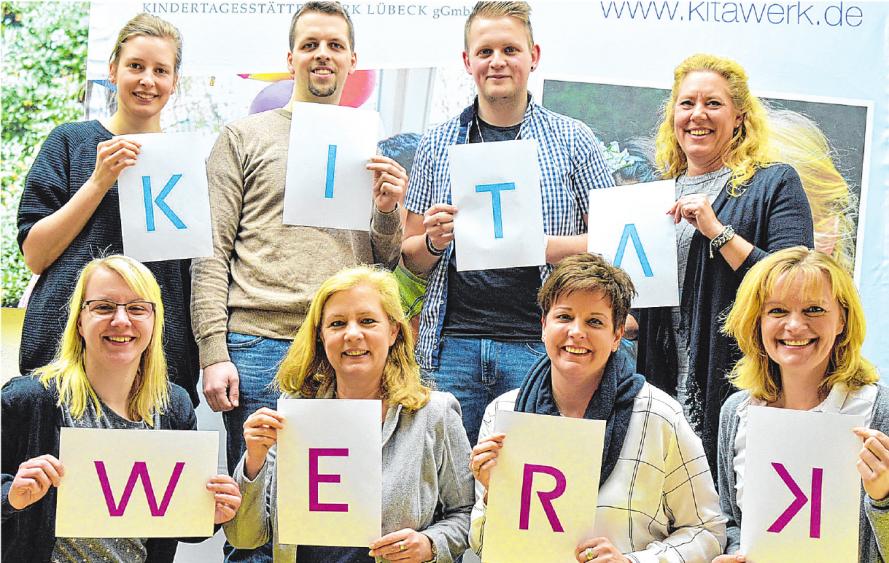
<point x="478" y="370"/>
<point x="257" y="359"/>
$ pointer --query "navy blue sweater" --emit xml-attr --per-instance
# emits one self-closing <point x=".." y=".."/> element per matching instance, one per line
<point x="65" y="162"/>
<point x="771" y="214"/>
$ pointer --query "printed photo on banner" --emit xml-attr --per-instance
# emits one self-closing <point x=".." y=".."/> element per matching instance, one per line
<point x="628" y="226"/>
<point x="496" y="187"/>
<point x="327" y="181"/>
<point x="825" y="140"/>
<point x="329" y="472"/>
<point x="136" y="483"/>
<point x="542" y="501"/>
<point x="800" y="499"/>
<point x="164" y="199"/>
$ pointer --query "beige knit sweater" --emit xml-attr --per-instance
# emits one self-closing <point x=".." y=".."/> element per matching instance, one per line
<point x="263" y="273"/>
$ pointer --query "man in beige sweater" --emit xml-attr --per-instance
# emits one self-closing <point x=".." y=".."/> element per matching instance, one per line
<point x="249" y="299"/>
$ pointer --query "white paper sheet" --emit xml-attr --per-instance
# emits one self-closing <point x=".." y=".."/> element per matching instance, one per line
<point x="543" y="491"/>
<point x="629" y="226"/>
<point x="136" y="483"/>
<point x="328" y="184"/>
<point x="164" y="201"/>
<point x="816" y="454"/>
<point x="499" y="222"/>
<point x="330" y="472"/>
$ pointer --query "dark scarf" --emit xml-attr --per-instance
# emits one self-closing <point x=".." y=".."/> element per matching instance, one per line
<point x="612" y="402"/>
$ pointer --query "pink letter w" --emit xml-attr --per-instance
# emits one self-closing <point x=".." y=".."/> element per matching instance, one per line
<point x="139" y="471"/>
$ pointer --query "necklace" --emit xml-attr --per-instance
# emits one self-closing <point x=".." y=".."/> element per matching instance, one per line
<point x="478" y="128"/>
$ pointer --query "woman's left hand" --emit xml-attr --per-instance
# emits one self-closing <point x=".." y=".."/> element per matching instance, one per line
<point x="598" y="550"/>
<point x="227" y="497"/>
<point x="696" y="209"/>
<point x="873" y="462"/>
<point x="404" y="545"/>
<point x="390" y="183"/>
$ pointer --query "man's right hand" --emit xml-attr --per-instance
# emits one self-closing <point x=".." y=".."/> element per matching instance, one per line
<point x="221" y="386"/>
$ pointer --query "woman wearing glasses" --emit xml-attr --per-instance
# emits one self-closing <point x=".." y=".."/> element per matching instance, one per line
<point x="109" y="372"/>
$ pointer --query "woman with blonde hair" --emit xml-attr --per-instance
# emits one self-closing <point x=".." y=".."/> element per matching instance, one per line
<point x="733" y="207"/>
<point x="800" y="326"/>
<point x="798" y="141"/>
<point x="69" y="211"/>
<point x="356" y="344"/>
<point x="110" y="372"/>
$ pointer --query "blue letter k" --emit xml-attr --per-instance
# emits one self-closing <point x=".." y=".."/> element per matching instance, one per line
<point x="159" y="201"/>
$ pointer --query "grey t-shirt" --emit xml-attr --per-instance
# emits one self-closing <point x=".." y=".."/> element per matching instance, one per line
<point x="123" y="550"/>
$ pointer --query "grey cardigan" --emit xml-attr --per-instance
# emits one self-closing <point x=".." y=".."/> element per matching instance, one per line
<point x="873" y="534"/>
<point x="427" y="485"/>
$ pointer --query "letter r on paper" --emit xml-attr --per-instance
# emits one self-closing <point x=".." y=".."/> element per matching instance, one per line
<point x="546" y="497"/>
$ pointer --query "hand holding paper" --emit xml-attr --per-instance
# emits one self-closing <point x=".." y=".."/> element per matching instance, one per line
<point x="33" y="480"/>
<point x="389" y="183"/>
<point x="873" y="462"/>
<point x="260" y="434"/>
<point x="226" y="496"/>
<point x="484" y="457"/>
<point x="406" y="544"/>
<point x="112" y="157"/>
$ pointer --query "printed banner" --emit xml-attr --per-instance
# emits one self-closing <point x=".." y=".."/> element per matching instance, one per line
<point x="136" y="483"/>
<point x="164" y="200"/>
<point x="542" y="500"/>
<point x="496" y="188"/>
<point x="330" y="472"/>
<point x="328" y="184"/>
<point x="801" y="500"/>
<point x="630" y="227"/>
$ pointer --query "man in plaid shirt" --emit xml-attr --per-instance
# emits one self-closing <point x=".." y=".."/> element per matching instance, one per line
<point x="480" y="330"/>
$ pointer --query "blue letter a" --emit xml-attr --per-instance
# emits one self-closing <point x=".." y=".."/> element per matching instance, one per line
<point x="630" y="232"/>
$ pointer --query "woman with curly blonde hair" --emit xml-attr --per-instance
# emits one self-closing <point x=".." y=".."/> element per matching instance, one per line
<point x="355" y="343"/>
<point x="733" y="207"/>
<point x="800" y="326"/>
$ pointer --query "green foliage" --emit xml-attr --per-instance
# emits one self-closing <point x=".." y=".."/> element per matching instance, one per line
<point x="44" y="73"/>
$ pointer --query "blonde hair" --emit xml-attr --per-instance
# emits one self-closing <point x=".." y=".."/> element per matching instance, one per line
<point x="748" y="148"/>
<point x="798" y="141"/>
<point x="755" y="371"/>
<point x="148" y="25"/>
<point x="305" y="370"/>
<point x="150" y="392"/>
<point x="494" y="9"/>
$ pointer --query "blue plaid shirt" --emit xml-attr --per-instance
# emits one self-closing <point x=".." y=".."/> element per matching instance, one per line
<point x="571" y="164"/>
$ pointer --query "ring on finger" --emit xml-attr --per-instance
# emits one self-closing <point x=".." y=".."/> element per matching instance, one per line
<point x="589" y="554"/>
<point x="401" y="546"/>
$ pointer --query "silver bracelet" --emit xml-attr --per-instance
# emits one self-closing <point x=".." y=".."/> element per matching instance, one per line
<point x="727" y="234"/>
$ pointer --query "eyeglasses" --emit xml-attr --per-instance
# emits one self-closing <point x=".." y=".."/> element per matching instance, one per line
<point x="105" y="309"/>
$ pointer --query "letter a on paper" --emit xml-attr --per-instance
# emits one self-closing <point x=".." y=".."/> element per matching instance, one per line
<point x="630" y="232"/>
<point x="139" y="471"/>
<point x="800" y="500"/>
<point x="546" y="497"/>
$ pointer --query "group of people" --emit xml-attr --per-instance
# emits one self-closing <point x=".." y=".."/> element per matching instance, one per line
<point x="299" y="312"/>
